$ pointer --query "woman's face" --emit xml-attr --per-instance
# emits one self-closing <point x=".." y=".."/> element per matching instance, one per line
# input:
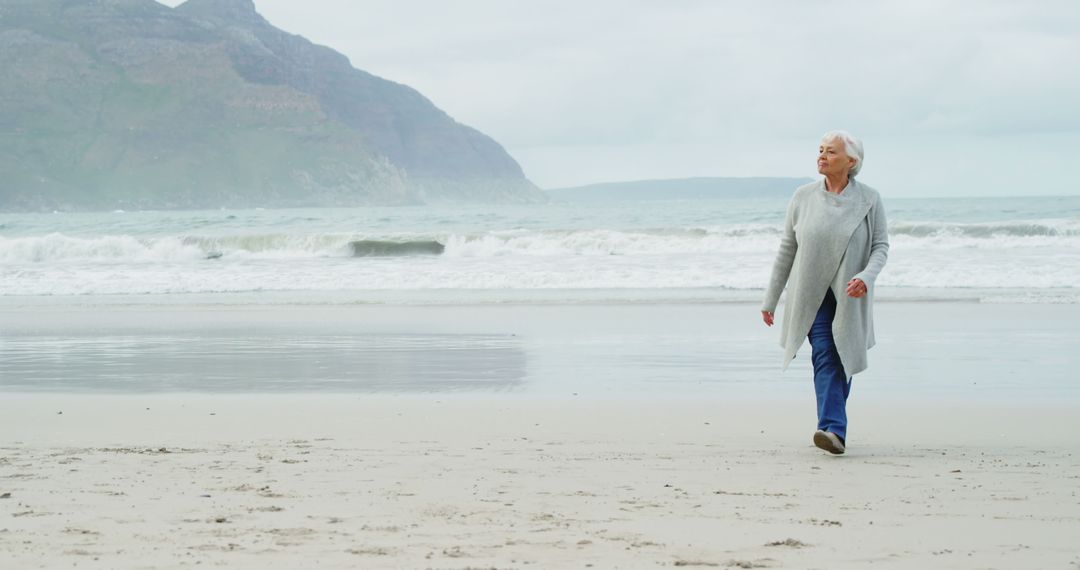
<point x="833" y="159"/>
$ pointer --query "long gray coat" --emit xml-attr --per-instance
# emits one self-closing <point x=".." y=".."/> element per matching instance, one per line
<point x="828" y="240"/>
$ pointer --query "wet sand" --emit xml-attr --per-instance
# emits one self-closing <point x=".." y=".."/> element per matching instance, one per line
<point x="949" y="350"/>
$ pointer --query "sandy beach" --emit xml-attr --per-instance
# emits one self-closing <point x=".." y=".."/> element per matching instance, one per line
<point x="542" y="436"/>
<point x="473" y="481"/>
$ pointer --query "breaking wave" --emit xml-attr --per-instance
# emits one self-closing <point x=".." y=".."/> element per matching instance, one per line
<point x="736" y="239"/>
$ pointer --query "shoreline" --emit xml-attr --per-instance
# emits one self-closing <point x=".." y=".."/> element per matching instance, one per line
<point x="954" y="352"/>
<point x="526" y="297"/>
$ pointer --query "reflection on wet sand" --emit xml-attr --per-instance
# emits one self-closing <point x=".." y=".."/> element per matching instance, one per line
<point x="271" y="363"/>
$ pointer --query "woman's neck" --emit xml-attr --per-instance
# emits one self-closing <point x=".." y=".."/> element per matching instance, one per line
<point x="836" y="184"/>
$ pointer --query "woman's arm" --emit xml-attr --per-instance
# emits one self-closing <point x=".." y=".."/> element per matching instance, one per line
<point x="879" y="246"/>
<point x="785" y="257"/>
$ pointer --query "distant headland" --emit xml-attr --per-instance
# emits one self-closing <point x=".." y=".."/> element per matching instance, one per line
<point x="131" y="104"/>
<point x="682" y="189"/>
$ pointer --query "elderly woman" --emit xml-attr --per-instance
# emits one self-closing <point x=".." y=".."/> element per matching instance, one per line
<point x="834" y="244"/>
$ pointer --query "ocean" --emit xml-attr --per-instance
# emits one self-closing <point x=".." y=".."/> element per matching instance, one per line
<point x="989" y="250"/>
<point x="980" y="299"/>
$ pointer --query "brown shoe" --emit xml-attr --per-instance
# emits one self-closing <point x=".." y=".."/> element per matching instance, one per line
<point x="829" y="442"/>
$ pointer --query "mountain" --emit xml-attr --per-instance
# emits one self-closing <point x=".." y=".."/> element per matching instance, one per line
<point x="682" y="189"/>
<point x="131" y="104"/>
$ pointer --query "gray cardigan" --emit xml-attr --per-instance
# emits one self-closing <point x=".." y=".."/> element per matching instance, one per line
<point x="828" y="240"/>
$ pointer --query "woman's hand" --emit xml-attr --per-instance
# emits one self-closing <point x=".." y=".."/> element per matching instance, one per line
<point x="767" y="317"/>
<point x="856" y="288"/>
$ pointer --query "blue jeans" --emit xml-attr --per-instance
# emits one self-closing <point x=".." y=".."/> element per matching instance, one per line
<point x="830" y="382"/>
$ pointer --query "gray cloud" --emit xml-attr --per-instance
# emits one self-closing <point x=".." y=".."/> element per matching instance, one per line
<point x="619" y="89"/>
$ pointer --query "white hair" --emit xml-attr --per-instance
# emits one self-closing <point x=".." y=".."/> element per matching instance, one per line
<point x="852" y="146"/>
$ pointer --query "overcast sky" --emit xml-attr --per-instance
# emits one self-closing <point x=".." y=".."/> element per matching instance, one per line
<point x="960" y="98"/>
